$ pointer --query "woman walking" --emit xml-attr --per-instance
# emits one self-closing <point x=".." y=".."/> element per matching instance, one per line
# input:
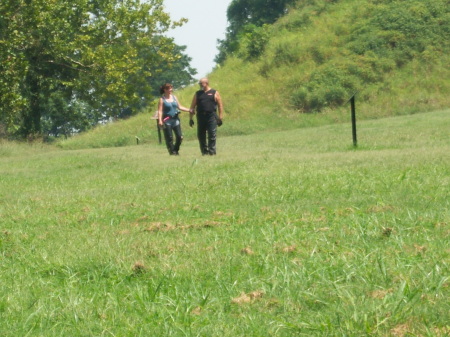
<point x="168" y="110"/>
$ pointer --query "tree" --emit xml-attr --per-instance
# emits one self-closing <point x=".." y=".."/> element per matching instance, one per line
<point x="243" y="16"/>
<point x="179" y="74"/>
<point x="82" y="52"/>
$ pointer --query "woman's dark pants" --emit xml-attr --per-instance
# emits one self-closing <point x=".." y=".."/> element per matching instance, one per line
<point x="170" y="127"/>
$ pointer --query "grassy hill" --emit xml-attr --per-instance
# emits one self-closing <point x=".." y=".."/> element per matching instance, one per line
<point x="283" y="233"/>
<point x="393" y="54"/>
<point x="288" y="231"/>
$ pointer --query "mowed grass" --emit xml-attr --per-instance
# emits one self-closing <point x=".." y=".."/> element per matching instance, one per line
<point x="292" y="233"/>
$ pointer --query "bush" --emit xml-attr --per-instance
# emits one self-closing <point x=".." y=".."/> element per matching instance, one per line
<point x="253" y="41"/>
<point x="328" y="86"/>
<point x="286" y="53"/>
<point x="392" y="34"/>
<point x="399" y="30"/>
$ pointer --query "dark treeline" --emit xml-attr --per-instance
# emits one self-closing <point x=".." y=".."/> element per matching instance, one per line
<point x="66" y="66"/>
<point x="246" y="17"/>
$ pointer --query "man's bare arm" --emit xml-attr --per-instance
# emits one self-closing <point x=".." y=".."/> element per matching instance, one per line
<point x="219" y="104"/>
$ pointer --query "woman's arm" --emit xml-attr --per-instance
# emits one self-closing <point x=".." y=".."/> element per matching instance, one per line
<point x="160" y="111"/>
<point x="182" y="108"/>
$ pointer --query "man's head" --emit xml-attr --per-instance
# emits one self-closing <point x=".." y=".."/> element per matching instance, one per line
<point x="204" y="83"/>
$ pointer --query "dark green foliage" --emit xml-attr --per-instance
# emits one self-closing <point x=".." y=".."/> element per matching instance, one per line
<point x="332" y="83"/>
<point x="243" y="16"/>
<point x="400" y="30"/>
<point x="64" y="116"/>
<point x="382" y="37"/>
<point x="257" y="12"/>
<point x="179" y="74"/>
<point x="327" y="86"/>
<point x="59" y="60"/>
<point x="253" y="40"/>
<point x="286" y="53"/>
<point x="329" y="50"/>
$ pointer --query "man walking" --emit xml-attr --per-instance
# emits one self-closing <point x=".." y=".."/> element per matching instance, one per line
<point x="207" y="100"/>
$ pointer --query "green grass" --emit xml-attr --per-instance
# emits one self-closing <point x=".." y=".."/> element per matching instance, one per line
<point x="393" y="54"/>
<point x="283" y="233"/>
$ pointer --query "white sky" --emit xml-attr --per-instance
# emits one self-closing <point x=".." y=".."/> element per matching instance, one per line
<point x="207" y="23"/>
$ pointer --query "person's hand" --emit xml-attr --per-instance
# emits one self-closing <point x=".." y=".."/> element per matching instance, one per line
<point x="191" y="123"/>
<point x="219" y="122"/>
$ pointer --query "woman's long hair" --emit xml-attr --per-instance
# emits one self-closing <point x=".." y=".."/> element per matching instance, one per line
<point x="165" y="86"/>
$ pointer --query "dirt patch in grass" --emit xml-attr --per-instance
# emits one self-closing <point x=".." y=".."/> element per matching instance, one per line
<point x="248" y="297"/>
<point x="167" y="226"/>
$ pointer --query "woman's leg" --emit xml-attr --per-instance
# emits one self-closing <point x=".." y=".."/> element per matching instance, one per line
<point x="168" y="137"/>
<point x="178" y="138"/>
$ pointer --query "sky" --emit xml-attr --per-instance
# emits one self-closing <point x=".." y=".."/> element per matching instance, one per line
<point x="207" y="23"/>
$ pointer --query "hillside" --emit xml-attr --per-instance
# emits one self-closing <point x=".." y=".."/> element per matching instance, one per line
<point x="302" y="70"/>
<point x="393" y="53"/>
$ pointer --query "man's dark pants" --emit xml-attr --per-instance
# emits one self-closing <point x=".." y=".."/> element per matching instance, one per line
<point x="207" y="125"/>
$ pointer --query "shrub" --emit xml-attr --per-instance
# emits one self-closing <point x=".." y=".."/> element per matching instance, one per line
<point x="286" y="53"/>
<point x="300" y="98"/>
<point x="253" y="41"/>
<point x="399" y="30"/>
<point x="328" y="86"/>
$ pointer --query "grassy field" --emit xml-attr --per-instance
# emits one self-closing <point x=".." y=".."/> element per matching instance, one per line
<point x="283" y="233"/>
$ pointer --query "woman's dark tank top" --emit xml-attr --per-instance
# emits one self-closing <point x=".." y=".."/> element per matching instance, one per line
<point x="170" y="108"/>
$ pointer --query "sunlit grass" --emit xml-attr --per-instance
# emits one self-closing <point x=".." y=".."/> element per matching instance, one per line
<point x="281" y="234"/>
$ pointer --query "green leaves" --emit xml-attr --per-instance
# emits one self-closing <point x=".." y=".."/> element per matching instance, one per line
<point x="244" y="17"/>
<point x="98" y="52"/>
<point x="355" y="47"/>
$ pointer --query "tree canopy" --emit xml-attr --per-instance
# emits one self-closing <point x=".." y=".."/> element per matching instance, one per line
<point x="66" y="65"/>
<point x="245" y="17"/>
